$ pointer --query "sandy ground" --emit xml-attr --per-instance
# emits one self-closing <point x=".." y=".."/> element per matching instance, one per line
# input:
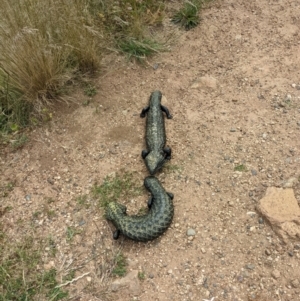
<point x="233" y="87"/>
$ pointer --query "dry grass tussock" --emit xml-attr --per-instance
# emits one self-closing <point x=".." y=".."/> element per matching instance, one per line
<point x="43" y="44"/>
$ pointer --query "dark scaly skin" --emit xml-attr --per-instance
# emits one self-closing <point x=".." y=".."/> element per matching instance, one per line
<point x="149" y="226"/>
<point x="156" y="153"/>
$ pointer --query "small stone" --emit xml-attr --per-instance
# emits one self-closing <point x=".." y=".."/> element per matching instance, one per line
<point x="89" y="279"/>
<point x="190" y="238"/>
<point x="261" y="220"/>
<point x="28" y="197"/>
<point x="290" y="183"/>
<point x="295" y="283"/>
<point x="203" y="250"/>
<point x="268" y="252"/>
<point x="288" y="97"/>
<point x="151" y="276"/>
<point x="250" y="266"/>
<point x="232" y="130"/>
<point x="253" y="172"/>
<point x="264" y="135"/>
<point x="81" y="223"/>
<point x="176" y="225"/>
<point x="170" y="271"/>
<point x="230" y="203"/>
<point x="155" y="66"/>
<point x="275" y="274"/>
<point x="190" y="232"/>
<point x="252" y="229"/>
<point x="291" y="254"/>
<point x="294" y="85"/>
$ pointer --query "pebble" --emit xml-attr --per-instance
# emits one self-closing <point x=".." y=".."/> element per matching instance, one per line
<point x="28" y="197"/>
<point x="253" y="172"/>
<point x="232" y="130"/>
<point x="288" y="97"/>
<point x="81" y="223"/>
<point x="275" y="274"/>
<point x="190" y="232"/>
<point x="294" y="85"/>
<point x="290" y="183"/>
<point x="250" y="266"/>
<point x="260" y="220"/>
<point x="268" y="252"/>
<point x="203" y="250"/>
<point x="295" y="283"/>
<point x="176" y="225"/>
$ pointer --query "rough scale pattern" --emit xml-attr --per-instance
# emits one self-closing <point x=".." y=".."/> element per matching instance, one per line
<point x="149" y="226"/>
<point x="156" y="153"/>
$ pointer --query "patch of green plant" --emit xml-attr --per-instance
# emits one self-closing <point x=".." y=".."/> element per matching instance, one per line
<point x="82" y="201"/>
<point x="90" y="90"/>
<point x="71" y="232"/>
<point x="20" y="275"/>
<point x="36" y="214"/>
<point x="114" y="187"/>
<point x="187" y="17"/>
<point x="19" y="141"/>
<point x="141" y="275"/>
<point x="50" y="213"/>
<point x="120" y="265"/>
<point x="240" y="167"/>
<point x="6" y="189"/>
<point x="69" y="276"/>
<point x="139" y="49"/>
<point x="52" y="246"/>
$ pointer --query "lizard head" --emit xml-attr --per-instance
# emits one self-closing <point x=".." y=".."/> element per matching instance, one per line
<point x="114" y="210"/>
<point x="155" y="98"/>
<point x="154" y="161"/>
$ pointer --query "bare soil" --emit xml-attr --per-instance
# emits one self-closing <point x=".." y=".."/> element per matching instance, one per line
<point x="245" y="112"/>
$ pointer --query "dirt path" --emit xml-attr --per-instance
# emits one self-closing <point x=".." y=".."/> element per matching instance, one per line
<point x="233" y="87"/>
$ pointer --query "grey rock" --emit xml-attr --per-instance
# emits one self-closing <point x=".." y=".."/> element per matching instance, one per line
<point x="81" y="223"/>
<point x="130" y="282"/>
<point x="295" y="283"/>
<point x="28" y="197"/>
<point x="253" y="172"/>
<point x="250" y="266"/>
<point x="275" y="274"/>
<point x="190" y="232"/>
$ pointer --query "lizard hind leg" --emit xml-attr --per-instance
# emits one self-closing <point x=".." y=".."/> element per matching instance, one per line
<point x="168" y="152"/>
<point x="116" y="234"/>
<point x="145" y="153"/>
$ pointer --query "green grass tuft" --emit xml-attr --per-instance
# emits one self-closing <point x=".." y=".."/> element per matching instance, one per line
<point x="114" y="187"/>
<point x="20" y="275"/>
<point x="240" y="167"/>
<point x="187" y="17"/>
<point x="139" y="50"/>
<point x="120" y="265"/>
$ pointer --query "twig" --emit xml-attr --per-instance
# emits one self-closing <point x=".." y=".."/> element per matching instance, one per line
<point x="73" y="280"/>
